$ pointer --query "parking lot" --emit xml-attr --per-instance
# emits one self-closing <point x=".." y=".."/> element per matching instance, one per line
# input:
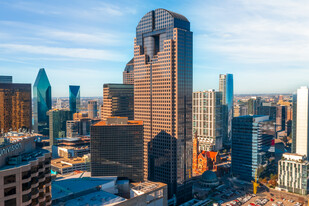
<point x="262" y="199"/>
<point x="236" y="193"/>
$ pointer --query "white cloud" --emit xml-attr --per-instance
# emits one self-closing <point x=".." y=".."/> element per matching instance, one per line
<point x="97" y="38"/>
<point x="82" y="53"/>
<point x="255" y="31"/>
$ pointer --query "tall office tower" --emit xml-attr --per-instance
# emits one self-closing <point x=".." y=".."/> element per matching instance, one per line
<point x="252" y="137"/>
<point x="226" y="86"/>
<point x="294" y="121"/>
<point x="74" y="98"/>
<point x="15" y="107"/>
<point x="116" y="146"/>
<point x="42" y="102"/>
<point x="268" y="110"/>
<point x="163" y="97"/>
<point x="25" y="176"/>
<point x="118" y="100"/>
<point x="57" y="124"/>
<point x="6" y="79"/>
<point x="253" y="105"/>
<point x="128" y="73"/>
<point x="236" y="110"/>
<point x="280" y="118"/>
<point x="92" y="109"/>
<point x="208" y="119"/>
<point x="72" y="128"/>
<point x="302" y="119"/>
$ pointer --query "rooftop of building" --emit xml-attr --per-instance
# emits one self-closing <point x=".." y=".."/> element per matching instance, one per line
<point x="75" y="147"/>
<point x="117" y="121"/>
<point x="77" y="183"/>
<point x="66" y="162"/>
<point x="23" y="159"/>
<point x="82" y="189"/>
<point x="293" y="157"/>
<point x="145" y="187"/>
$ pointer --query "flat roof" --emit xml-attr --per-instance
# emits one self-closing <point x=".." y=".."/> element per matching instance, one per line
<point x="148" y="186"/>
<point x="65" y="162"/>
<point x="77" y="183"/>
<point x="94" y="198"/>
<point x="26" y="158"/>
<point x="130" y="122"/>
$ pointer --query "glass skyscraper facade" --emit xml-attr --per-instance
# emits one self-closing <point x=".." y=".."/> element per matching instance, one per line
<point x="118" y="101"/>
<point x="74" y="98"/>
<point x="251" y="141"/>
<point x="6" y="79"/>
<point x="116" y="146"/>
<point x="163" y="97"/>
<point x="226" y="86"/>
<point x="42" y="102"/>
<point x="57" y="124"/>
<point x="15" y="107"/>
<point x="294" y="122"/>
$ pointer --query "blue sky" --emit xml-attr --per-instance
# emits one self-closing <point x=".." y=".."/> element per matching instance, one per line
<point x="264" y="43"/>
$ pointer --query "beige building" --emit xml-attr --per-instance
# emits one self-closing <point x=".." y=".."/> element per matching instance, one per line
<point x="208" y="119"/>
<point x="163" y="96"/>
<point x="65" y="166"/>
<point x="25" y="177"/>
<point x="293" y="173"/>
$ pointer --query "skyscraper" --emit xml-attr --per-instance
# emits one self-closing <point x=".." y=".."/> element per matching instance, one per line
<point x="42" y="102"/>
<point x="6" y="79"/>
<point x="118" y="100"/>
<point x="302" y="120"/>
<point x="208" y="119"/>
<point x="74" y="98"/>
<point x="253" y="105"/>
<point x="163" y="97"/>
<point x="128" y="73"/>
<point x="116" y="147"/>
<point x="92" y="109"/>
<point x="226" y="86"/>
<point x="251" y="141"/>
<point x="294" y="121"/>
<point x="15" y="107"/>
<point x="57" y="124"/>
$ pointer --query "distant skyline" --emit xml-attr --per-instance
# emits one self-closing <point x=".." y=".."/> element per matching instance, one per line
<point x="264" y="44"/>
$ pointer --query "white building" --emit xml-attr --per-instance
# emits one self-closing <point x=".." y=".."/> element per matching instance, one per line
<point x="293" y="173"/>
<point x="302" y="121"/>
<point x="207" y="119"/>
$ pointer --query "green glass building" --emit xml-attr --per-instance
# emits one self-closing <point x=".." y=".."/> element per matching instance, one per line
<point x="42" y="102"/>
<point x="74" y="98"/>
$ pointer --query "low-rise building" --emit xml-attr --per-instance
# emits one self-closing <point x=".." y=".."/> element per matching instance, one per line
<point x="293" y="173"/>
<point x="70" y="151"/>
<point x="82" y="189"/>
<point x="65" y="166"/>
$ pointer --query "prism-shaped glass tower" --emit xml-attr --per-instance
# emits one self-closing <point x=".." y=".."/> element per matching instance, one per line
<point x="74" y="98"/>
<point x="42" y="102"/>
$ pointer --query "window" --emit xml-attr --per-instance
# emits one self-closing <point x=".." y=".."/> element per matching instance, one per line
<point x="9" y="191"/>
<point x="9" y="179"/>
<point x="10" y="202"/>
<point x="26" y="197"/>
<point x="26" y="174"/>
<point x="26" y="186"/>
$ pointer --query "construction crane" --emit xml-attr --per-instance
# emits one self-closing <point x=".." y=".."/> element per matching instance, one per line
<point x="255" y="182"/>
